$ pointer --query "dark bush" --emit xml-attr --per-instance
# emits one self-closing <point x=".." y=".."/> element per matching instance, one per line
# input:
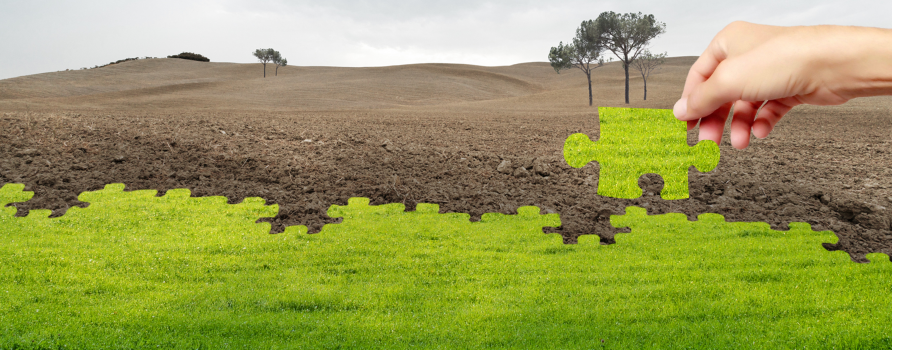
<point x="190" y="56"/>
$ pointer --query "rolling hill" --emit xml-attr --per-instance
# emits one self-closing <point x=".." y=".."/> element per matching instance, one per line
<point x="175" y="83"/>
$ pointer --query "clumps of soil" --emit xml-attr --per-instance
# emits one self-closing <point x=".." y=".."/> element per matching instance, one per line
<point x="307" y="162"/>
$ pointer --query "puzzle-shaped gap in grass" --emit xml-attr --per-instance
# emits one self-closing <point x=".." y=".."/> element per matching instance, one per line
<point x="637" y="141"/>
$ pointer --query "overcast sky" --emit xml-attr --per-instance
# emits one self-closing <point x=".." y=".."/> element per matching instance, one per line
<point x="44" y="36"/>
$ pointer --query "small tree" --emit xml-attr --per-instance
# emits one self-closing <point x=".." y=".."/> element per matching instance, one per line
<point x="646" y="63"/>
<point x="264" y="56"/>
<point x="276" y="59"/>
<point x="626" y="35"/>
<point x="282" y="62"/>
<point x="584" y="50"/>
<point x="275" y="56"/>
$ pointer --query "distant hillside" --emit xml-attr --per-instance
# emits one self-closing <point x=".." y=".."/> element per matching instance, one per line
<point x="177" y="83"/>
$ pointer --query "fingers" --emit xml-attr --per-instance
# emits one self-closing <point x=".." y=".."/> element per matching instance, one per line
<point x="770" y="114"/>
<point x="728" y="69"/>
<point x="742" y="121"/>
<point x="712" y="126"/>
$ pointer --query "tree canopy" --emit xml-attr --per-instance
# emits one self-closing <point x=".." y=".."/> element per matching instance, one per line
<point x="626" y="36"/>
<point x="264" y="56"/>
<point x="583" y="51"/>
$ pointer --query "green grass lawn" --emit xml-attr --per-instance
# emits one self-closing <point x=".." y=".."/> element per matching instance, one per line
<point x="137" y="271"/>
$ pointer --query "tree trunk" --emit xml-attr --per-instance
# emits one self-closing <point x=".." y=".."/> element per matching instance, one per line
<point x="264" y="70"/>
<point x="626" y="82"/>
<point x="276" y="74"/>
<point x="590" y="91"/>
<point x="645" y="87"/>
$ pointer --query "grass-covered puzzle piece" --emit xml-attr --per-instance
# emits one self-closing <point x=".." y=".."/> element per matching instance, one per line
<point x="636" y="141"/>
<point x="136" y="271"/>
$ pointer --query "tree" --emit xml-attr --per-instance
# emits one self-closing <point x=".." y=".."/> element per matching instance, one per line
<point x="626" y="36"/>
<point x="278" y="60"/>
<point x="264" y="56"/>
<point x="275" y="57"/>
<point x="282" y="62"/>
<point x="583" y="51"/>
<point x="646" y="63"/>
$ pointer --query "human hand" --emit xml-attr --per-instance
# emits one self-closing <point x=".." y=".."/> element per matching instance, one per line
<point x="764" y="71"/>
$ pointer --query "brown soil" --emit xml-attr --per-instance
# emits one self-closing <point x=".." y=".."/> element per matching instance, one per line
<point x="315" y="136"/>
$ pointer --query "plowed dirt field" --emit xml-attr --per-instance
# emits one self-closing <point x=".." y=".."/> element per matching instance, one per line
<point x="437" y="133"/>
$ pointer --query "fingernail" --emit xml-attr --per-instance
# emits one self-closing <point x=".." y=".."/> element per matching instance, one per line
<point x="680" y="109"/>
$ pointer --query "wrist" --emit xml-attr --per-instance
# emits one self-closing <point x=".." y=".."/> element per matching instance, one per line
<point x="861" y="63"/>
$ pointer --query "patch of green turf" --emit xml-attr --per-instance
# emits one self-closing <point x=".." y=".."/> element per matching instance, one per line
<point x="137" y="271"/>
<point x="12" y="193"/>
<point x="636" y="141"/>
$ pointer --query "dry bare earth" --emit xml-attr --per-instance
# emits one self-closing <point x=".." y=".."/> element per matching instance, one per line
<point x="436" y="133"/>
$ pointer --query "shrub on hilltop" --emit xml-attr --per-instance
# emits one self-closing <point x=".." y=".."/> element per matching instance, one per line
<point x="190" y="56"/>
<point x="116" y="62"/>
<point x="124" y="60"/>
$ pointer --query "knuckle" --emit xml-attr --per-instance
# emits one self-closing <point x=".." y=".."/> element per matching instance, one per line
<point x="732" y="30"/>
<point x="725" y="80"/>
<point x="736" y="25"/>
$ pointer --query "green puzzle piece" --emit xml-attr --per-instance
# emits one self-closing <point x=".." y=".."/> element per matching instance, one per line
<point x="636" y="141"/>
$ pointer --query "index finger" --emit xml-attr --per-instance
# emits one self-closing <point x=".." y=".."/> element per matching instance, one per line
<point x="704" y="67"/>
<point x="699" y="73"/>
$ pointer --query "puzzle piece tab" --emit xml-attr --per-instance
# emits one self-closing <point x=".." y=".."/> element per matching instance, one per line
<point x="113" y="207"/>
<point x="732" y="239"/>
<point x="358" y="213"/>
<point x="12" y="193"/>
<point x="637" y="141"/>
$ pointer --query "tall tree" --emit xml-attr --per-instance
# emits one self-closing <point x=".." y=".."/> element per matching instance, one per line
<point x="626" y="35"/>
<point x="583" y="51"/>
<point x="264" y="56"/>
<point x="646" y="63"/>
